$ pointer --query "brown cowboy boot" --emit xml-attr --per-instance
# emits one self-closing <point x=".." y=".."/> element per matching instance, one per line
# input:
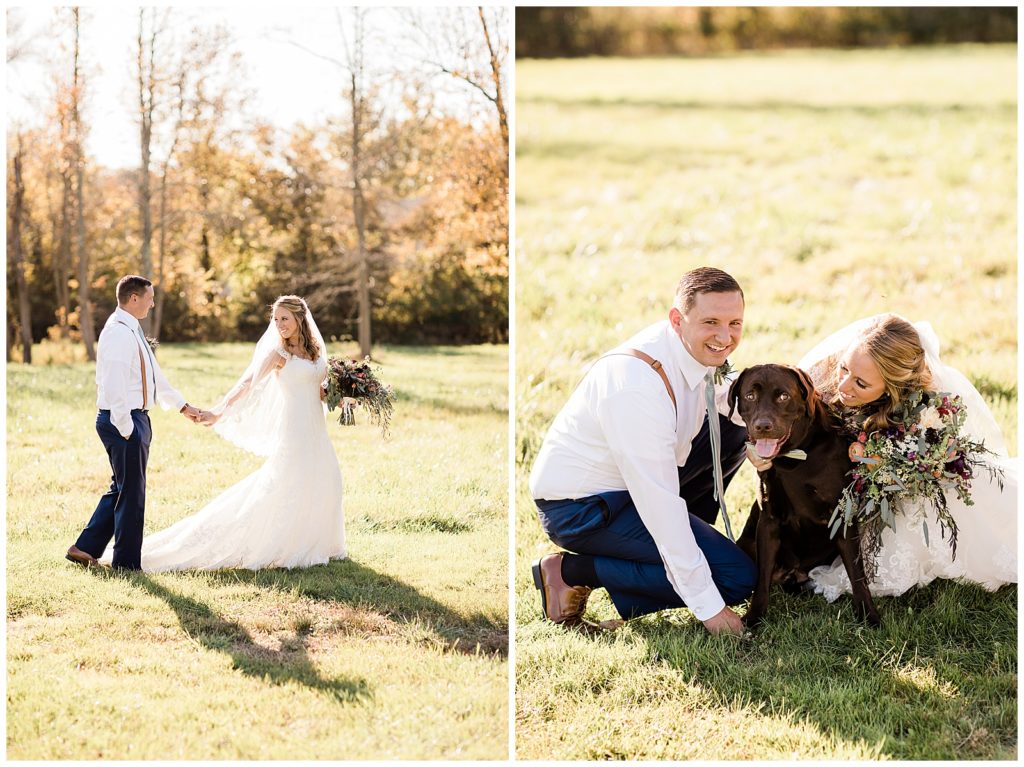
<point x="560" y="602"/>
<point x="80" y="557"/>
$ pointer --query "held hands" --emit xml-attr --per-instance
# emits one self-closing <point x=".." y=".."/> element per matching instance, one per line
<point x="191" y="413"/>
<point x="195" y="415"/>
<point x="206" y="418"/>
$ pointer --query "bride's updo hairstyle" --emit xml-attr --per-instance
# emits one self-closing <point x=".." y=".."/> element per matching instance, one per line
<point x="895" y="347"/>
<point x="297" y="307"/>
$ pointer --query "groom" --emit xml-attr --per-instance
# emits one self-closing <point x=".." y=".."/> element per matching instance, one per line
<point x="624" y="477"/>
<point x="128" y="381"/>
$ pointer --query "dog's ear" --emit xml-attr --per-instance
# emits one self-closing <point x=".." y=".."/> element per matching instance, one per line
<point x="814" y="406"/>
<point x="734" y="392"/>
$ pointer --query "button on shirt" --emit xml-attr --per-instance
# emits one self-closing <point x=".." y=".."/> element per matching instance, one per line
<point x="119" y="373"/>
<point x="619" y="431"/>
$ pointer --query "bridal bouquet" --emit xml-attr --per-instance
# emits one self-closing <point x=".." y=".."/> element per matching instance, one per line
<point x="351" y="380"/>
<point x="923" y="457"/>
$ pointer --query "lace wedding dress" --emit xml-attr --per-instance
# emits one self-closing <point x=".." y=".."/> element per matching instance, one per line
<point x="288" y="513"/>
<point x="987" y="531"/>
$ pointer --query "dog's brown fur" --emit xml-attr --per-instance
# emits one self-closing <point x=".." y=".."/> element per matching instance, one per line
<point x="787" y="532"/>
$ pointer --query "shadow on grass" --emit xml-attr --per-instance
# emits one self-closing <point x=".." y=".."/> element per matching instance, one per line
<point x="290" y="663"/>
<point x="351" y="584"/>
<point x="344" y="584"/>
<point x="937" y="681"/>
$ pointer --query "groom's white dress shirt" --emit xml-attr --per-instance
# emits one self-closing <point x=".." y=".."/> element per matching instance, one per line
<point x="119" y="373"/>
<point x="619" y="431"/>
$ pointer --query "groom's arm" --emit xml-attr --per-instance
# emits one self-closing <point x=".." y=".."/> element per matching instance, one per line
<point x="114" y="370"/>
<point x="638" y="426"/>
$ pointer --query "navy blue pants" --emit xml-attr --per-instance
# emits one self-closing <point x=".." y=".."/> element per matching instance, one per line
<point x="607" y="527"/>
<point x="121" y="511"/>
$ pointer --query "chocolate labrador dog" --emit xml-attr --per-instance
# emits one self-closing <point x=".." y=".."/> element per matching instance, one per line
<point x="787" y="532"/>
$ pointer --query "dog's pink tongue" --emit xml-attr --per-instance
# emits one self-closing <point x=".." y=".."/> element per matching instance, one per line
<point x="766" y="447"/>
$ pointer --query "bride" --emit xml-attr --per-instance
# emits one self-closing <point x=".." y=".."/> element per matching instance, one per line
<point x="288" y="512"/>
<point x="864" y="370"/>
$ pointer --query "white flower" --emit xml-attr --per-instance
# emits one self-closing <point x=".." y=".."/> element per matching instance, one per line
<point x="884" y="477"/>
<point x="930" y="418"/>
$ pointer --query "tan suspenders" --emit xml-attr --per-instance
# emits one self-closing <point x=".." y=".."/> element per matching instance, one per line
<point x="142" y="366"/>
<point x="655" y="365"/>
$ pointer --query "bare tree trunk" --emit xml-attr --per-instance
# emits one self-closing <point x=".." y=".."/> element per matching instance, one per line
<point x="84" y="276"/>
<point x="158" y="312"/>
<point x="62" y="258"/>
<point x="84" y="307"/>
<point x="147" y="88"/>
<point x="14" y="247"/>
<point x="358" y="200"/>
<point x="499" y="99"/>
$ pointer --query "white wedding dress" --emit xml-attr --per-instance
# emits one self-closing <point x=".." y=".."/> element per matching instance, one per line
<point x="986" y="531"/>
<point x="288" y="513"/>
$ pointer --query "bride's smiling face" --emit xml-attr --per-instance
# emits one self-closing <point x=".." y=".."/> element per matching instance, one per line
<point x="860" y="380"/>
<point x="286" y="324"/>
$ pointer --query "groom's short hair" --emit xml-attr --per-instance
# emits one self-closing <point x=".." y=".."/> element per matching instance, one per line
<point x="706" y="279"/>
<point x="131" y="285"/>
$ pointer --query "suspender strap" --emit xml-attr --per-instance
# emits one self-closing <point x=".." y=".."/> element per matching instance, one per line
<point x="142" y="366"/>
<point x="655" y="365"/>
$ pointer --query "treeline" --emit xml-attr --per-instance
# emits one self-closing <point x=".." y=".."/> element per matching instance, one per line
<point x="227" y="217"/>
<point x="606" y="31"/>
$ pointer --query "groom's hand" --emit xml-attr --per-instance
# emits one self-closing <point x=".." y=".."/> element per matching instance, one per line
<point x="191" y="413"/>
<point x="725" y="622"/>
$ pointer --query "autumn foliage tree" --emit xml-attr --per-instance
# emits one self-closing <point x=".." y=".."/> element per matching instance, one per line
<point x="241" y="211"/>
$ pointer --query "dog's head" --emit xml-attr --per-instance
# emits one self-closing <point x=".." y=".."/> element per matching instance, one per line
<point x="778" y="404"/>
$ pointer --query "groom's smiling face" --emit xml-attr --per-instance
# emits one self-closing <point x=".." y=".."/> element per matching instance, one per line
<point x="711" y="328"/>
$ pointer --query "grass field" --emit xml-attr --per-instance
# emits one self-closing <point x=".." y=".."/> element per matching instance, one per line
<point x="398" y="652"/>
<point x="832" y="185"/>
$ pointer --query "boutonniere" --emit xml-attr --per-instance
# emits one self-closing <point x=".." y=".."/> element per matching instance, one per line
<point x="722" y="372"/>
<point x="153" y="343"/>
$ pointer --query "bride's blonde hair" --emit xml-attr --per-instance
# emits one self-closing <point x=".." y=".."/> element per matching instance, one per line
<point x="297" y="307"/>
<point x="895" y="347"/>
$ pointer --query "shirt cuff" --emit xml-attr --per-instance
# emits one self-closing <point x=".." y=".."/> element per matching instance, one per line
<point x="707" y="604"/>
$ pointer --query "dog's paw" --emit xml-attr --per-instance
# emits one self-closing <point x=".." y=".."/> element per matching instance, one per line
<point x="752" y="621"/>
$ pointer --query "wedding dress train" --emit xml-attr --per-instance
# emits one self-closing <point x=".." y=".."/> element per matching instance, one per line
<point x="288" y="513"/>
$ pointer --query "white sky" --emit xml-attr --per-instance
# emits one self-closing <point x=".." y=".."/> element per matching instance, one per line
<point x="290" y="85"/>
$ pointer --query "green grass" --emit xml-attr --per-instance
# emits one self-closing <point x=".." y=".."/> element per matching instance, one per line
<point x="833" y="185"/>
<point x="398" y="652"/>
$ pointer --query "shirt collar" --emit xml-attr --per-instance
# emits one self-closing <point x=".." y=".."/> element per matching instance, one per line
<point x="122" y="316"/>
<point x="693" y="372"/>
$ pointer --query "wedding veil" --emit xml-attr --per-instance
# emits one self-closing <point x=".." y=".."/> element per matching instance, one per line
<point x="980" y="424"/>
<point x="251" y="411"/>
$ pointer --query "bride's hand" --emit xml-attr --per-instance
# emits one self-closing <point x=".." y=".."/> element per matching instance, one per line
<point x="206" y="418"/>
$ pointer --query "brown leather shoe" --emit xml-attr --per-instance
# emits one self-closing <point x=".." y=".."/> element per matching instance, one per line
<point x="80" y="557"/>
<point x="560" y="602"/>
